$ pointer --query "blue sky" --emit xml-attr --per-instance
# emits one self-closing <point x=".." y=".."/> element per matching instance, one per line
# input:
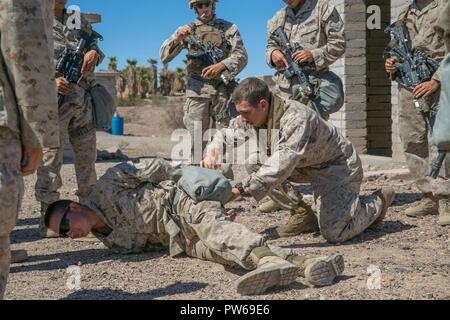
<point x="135" y="29"/>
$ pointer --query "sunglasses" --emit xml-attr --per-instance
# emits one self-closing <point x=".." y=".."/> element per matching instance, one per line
<point x="202" y="5"/>
<point x="64" y="225"/>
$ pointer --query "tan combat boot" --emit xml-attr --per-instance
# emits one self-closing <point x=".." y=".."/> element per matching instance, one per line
<point x="387" y="195"/>
<point x="425" y="207"/>
<point x="444" y="212"/>
<point x="302" y="220"/>
<point x="319" y="271"/>
<point x="18" y="256"/>
<point x="268" y="205"/>
<point x="271" y="271"/>
<point x="43" y="230"/>
<point x="89" y="238"/>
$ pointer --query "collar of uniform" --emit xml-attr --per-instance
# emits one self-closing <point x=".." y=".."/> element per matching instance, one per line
<point x="91" y="205"/>
<point x="269" y="121"/>
<point x="307" y="7"/>
<point x="415" y="8"/>
<point x="199" y="22"/>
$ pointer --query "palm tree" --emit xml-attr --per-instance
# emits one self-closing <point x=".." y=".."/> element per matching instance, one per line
<point x="132" y="62"/>
<point x="131" y="77"/>
<point x="112" y="65"/>
<point x="152" y="62"/>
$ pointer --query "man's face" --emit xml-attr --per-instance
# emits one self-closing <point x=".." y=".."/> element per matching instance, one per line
<point x="204" y="8"/>
<point x="293" y="3"/>
<point x="76" y="219"/>
<point x="60" y="4"/>
<point x="255" y="116"/>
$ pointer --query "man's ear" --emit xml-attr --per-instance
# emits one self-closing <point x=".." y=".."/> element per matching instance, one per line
<point x="264" y="104"/>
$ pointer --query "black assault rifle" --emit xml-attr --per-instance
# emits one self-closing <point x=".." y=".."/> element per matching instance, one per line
<point x="295" y="71"/>
<point x="70" y="61"/>
<point x="209" y="54"/>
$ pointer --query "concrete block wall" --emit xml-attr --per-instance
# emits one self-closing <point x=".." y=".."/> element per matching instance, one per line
<point x="379" y="110"/>
<point x="369" y="117"/>
<point x="351" y="120"/>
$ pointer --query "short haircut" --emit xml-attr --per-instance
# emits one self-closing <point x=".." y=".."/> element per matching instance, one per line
<point x="58" y="206"/>
<point x="251" y="90"/>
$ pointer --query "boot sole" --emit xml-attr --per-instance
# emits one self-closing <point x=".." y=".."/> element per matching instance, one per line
<point x="422" y="214"/>
<point x="323" y="272"/>
<point x="294" y="234"/>
<point x="258" y="281"/>
<point x="18" y="256"/>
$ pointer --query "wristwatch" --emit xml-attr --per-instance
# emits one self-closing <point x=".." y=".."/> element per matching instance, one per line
<point x="241" y="189"/>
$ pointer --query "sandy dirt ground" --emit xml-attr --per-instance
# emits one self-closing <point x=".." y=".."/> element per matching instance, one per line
<point x="412" y="256"/>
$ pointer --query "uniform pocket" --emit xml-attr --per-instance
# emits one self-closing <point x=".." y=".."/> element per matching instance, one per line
<point x="311" y="35"/>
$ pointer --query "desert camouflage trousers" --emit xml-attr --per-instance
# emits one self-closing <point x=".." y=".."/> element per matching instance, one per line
<point x="206" y="232"/>
<point x="11" y="193"/>
<point x="414" y="134"/>
<point x="75" y="123"/>
<point x="202" y="114"/>
<point x="342" y="214"/>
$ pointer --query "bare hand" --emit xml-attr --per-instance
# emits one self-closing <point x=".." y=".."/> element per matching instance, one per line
<point x="62" y="85"/>
<point x="303" y="56"/>
<point x="182" y="34"/>
<point x="279" y="60"/>
<point x="389" y="65"/>
<point x="31" y="159"/>
<point x="210" y="162"/>
<point x="426" y="89"/>
<point x="90" y="61"/>
<point x="213" y="71"/>
<point x="234" y="194"/>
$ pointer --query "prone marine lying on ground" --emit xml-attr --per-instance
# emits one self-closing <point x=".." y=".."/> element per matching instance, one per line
<point x="137" y="207"/>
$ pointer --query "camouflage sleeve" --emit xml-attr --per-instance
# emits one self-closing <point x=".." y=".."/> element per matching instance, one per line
<point x="438" y="53"/>
<point x="169" y="50"/>
<point x="443" y="26"/>
<point x="289" y="150"/>
<point x="238" y="58"/>
<point x="271" y="45"/>
<point x="335" y="47"/>
<point x="438" y="74"/>
<point x="442" y="29"/>
<point x="29" y="61"/>
<point x="129" y="174"/>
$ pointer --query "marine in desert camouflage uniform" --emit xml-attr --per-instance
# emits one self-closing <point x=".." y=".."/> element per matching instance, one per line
<point x="28" y="107"/>
<point x="136" y="208"/>
<point x="75" y="117"/>
<point x="207" y="95"/>
<point x="302" y="148"/>
<point x="318" y="28"/>
<point x="420" y="16"/>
